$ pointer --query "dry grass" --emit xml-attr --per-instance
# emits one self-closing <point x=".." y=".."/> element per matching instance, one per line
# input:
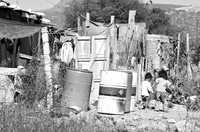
<point x="17" y="118"/>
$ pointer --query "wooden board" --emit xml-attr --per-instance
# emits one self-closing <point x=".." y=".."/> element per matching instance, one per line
<point x="96" y="68"/>
<point x="83" y="47"/>
<point x="8" y="71"/>
<point x="93" y="54"/>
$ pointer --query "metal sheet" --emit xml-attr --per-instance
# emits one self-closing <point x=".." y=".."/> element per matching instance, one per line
<point x="111" y="105"/>
<point x="96" y="68"/>
<point x="77" y="89"/>
<point x="116" y="85"/>
<point x="114" y="78"/>
<point x="12" y="29"/>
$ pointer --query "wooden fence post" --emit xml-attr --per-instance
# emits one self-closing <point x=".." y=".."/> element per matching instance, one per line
<point x="113" y="43"/>
<point x="189" y="72"/>
<point x="79" y="25"/>
<point x="47" y="67"/>
<point x="178" y="53"/>
<point x="131" y="19"/>
<point x="87" y="22"/>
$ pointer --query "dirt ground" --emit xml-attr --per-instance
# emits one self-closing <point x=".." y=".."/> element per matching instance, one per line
<point x="175" y="119"/>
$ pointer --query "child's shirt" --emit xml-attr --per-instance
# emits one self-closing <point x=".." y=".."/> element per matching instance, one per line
<point x="162" y="84"/>
<point x="146" y="88"/>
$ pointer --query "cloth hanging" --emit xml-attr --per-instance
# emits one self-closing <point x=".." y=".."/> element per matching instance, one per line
<point x="66" y="54"/>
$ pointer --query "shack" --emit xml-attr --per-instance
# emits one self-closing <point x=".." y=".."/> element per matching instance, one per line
<point x="21" y="36"/>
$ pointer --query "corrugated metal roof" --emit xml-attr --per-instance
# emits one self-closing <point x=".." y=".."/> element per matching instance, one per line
<point x="14" y="12"/>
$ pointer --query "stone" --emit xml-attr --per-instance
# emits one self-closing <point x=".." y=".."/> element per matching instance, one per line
<point x="171" y="121"/>
<point x="6" y="90"/>
<point x="153" y="125"/>
<point x="152" y="104"/>
<point x="186" y="126"/>
<point x="120" y="124"/>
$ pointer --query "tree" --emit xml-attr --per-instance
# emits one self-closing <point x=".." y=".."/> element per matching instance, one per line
<point x="156" y="19"/>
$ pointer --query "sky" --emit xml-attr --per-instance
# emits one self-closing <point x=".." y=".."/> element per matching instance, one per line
<point x="45" y="4"/>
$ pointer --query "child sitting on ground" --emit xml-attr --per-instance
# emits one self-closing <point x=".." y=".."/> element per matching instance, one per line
<point x="146" y="89"/>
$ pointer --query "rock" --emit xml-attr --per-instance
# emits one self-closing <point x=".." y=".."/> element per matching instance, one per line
<point x="136" y="117"/>
<point x="152" y="104"/>
<point x="153" y="125"/>
<point x="171" y="121"/>
<point x="7" y="90"/>
<point x="171" y="125"/>
<point x="193" y="98"/>
<point x="83" y="115"/>
<point x="120" y="124"/>
<point x="76" y="109"/>
<point x="186" y="126"/>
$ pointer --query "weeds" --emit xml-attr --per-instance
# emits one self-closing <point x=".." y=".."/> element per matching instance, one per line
<point x="18" y="118"/>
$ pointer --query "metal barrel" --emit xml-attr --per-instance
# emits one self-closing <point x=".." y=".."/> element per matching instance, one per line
<point x="115" y="92"/>
<point x="77" y="89"/>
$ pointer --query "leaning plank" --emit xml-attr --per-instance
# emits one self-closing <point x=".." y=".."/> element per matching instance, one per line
<point x="8" y="71"/>
<point x="47" y="67"/>
<point x="25" y="56"/>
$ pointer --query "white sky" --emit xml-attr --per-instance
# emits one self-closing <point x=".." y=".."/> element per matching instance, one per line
<point x="179" y="2"/>
<point x="45" y="4"/>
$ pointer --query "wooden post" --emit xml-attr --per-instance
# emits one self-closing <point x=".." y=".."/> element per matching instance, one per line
<point x="178" y="53"/>
<point x="113" y="43"/>
<point x="14" y="53"/>
<point x="131" y="19"/>
<point x="188" y="56"/>
<point x="39" y="45"/>
<point x="138" y="88"/>
<point x="87" y="22"/>
<point x="107" y="50"/>
<point x="79" y="25"/>
<point x="47" y="67"/>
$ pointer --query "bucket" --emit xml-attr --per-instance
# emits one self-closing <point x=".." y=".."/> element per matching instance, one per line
<point x="115" y="92"/>
<point x="76" y="92"/>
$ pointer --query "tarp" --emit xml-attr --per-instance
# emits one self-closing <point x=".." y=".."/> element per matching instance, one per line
<point x="13" y="29"/>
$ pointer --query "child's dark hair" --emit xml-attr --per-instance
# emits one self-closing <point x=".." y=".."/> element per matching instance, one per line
<point x="148" y="76"/>
<point x="163" y="74"/>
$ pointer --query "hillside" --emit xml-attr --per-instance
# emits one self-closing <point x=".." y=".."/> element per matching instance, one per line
<point x="167" y="7"/>
<point x="56" y="14"/>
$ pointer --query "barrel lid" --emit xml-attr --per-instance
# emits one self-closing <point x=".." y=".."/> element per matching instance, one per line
<point x="79" y="70"/>
<point x="123" y="71"/>
<point x="127" y="71"/>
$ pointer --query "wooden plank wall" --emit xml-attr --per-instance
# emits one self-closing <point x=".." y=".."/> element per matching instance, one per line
<point x="93" y="54"/>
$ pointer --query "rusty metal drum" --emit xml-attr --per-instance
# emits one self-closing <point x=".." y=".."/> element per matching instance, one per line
<point x="77" y="88"/>
<point x="115" y="92"/>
